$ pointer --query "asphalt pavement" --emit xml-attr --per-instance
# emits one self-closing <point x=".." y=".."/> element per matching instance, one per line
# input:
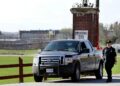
<point x="84" y="81"/>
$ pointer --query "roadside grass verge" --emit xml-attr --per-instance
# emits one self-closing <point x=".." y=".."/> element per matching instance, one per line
<point x="6" y="60"/>
<point x="116" y="68"/>
<point x="17" y="52"/>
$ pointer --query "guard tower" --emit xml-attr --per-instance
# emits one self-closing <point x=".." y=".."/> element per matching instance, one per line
<point x="86" y="21"/>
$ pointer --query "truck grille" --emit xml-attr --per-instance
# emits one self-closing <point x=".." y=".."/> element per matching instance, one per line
<point x="50" y="60"/>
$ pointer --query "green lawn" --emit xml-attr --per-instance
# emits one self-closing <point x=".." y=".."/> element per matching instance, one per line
<point x="29" y="59"/>
<point x="17" y="52"/>
<point x="116" y="68"/>
<point x="14" y="60"/>
<point x="14" y="71"/>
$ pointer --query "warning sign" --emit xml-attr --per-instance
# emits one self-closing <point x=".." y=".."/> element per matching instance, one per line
<point x="81" y="34"/>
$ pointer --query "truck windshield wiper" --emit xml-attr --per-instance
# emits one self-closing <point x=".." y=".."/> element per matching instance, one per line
<point x="51" y="50"/>
<point x="61" y="50"/>
<point x="48" y="50"/>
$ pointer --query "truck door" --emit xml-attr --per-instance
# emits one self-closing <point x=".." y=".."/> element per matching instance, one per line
<point x="91" y="56"/>
<point x="84" y="57"/>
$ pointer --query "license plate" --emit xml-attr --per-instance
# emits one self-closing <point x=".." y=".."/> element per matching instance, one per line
<point x="49" y="70"/>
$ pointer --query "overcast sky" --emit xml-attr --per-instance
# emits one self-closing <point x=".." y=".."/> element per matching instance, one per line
<point x="18" y="15"/>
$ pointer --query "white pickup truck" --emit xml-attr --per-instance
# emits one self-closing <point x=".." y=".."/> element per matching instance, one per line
<point x="68" y="58"/>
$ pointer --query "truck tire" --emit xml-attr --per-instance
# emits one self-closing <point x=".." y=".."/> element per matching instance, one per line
<point x="76" y="75"/>
<point x="99" y="72"/>
<point x="38" y="78"/>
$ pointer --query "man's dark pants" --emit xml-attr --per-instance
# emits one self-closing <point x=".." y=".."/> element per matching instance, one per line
<point x="108" y="68"/>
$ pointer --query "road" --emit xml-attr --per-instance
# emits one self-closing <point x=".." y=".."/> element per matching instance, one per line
<point x="85" y="81"/>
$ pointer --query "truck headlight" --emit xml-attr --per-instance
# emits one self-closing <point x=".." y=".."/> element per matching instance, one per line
<point x="35" y="61"/>
<point x="68" y="59"/>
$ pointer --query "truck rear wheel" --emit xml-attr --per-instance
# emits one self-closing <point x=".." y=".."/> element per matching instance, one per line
<point x="99" y="72"/>
<point x="38" y="78"/>
<point x="76" y="74"/>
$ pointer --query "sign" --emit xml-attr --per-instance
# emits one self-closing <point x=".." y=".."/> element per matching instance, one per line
<point x="81" y="34"/>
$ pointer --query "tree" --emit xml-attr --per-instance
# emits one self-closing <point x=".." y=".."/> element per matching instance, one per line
<point x="116" y="30"/>
<point x="102" y="33"/>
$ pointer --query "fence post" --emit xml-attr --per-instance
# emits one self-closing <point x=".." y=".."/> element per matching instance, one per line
<point x="21" y="70"/>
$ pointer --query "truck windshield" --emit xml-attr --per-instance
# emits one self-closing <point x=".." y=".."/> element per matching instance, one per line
<point x="62" y="46"/>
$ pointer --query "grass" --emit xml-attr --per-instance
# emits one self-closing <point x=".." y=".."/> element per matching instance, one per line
<point x="116" y="68"/>
<point x="14" y="60"/>
<point x="17" y="52"/>
<point x="14" y="71"/>
<point x="29" y="59"/>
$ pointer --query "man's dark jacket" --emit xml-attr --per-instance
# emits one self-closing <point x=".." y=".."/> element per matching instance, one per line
<point x="110" y="54"/>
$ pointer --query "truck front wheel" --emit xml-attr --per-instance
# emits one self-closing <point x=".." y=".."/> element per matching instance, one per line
<point x="76" y="74"/>
<point x="99" y="72"/>
<point x="38" y="78"/>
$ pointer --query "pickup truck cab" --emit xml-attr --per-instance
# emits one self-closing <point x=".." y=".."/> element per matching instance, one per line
<point x="68" y="58"/>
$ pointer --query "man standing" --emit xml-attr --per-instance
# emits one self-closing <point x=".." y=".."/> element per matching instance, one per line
<point x="110" y="59"/>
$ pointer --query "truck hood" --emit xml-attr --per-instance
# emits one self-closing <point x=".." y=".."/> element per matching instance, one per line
<point x="57" y="53"/>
